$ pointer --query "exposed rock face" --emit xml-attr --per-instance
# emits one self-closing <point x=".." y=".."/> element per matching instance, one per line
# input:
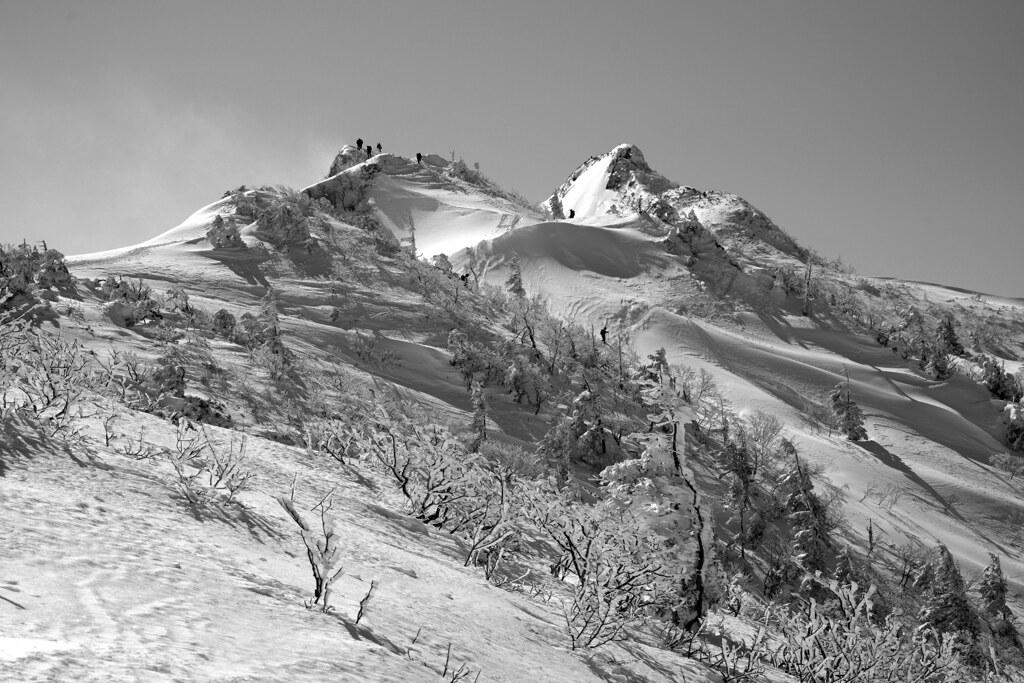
<point x="629" y="169"/>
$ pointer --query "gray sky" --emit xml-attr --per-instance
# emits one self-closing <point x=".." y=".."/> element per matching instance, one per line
<point x="886" y="132"/>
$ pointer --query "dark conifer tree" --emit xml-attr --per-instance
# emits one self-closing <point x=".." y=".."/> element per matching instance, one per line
<point x="848" y="413"/>
<point x="946" y="339"/>
<point x="359" y="144"/>
<point x="946" y="608"/>
<point x="514" y="283"/>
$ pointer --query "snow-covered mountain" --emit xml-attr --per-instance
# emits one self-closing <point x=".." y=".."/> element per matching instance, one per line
<point x="107" y="575"/>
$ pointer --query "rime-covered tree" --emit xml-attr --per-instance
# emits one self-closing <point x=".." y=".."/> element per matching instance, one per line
<point x="848" y="414"/>
<point x="474" y="263"/>
<point x="442" y="263"/>
<point x="268" y="316"/>
<point x="937" y="364"/>
<point x="847" y="571"/>
<point x="993" y="590"/>
<point x="998" y="381"/>
<point x="479" y="424"/>
<point x="224" y="324"/>
<point x="946" y="608"/>
<point x="556" y="207"/>
<point x="514" y="283"/>
<point x="739" y="468"/>
<point x="807" y="514"/>
<point x="946" y="340"/>
<point x="995" y="611"/>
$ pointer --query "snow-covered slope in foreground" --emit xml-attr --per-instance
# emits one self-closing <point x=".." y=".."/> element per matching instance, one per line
<point x="106" y="577"/>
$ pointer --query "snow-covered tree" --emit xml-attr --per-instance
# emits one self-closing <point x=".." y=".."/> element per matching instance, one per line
<point x="556" y="207"/>
<point x="739" y="473"/>
<point x="322" y="549"/>
<point x="514" y="283"/>
<point x="847" y="413"/>
<point x="808" y="517"/>
<point x="946" y="608"/>
<point x="442" y="263"/>
<point x="946" y="339"/>
<point x="1001" y="383"/>
<point x="224" y="324"/>
<point x="937" y="363"/>
<point x="993" y="590"/>
<point x="223" y="235"/>
<point x="479" y="424"/>
<point x="1006" y="640"/>
<point x="847" y="571"/>
<point x="474" y="263"/>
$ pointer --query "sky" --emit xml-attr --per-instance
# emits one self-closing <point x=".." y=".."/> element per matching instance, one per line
<point x="887" y="133"/>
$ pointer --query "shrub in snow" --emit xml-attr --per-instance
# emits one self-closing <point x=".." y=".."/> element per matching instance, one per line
<point x="364" y="604"/>
<point x="1001" y="383"/>
<point x="208" y="475"/>
<point x="27" y="270"/>
<point x="851" y="644"/>
<point x="132" y="302"/>
<point x="1013" y="418"/>
<point x="224" y="324"/>
<point x="427" y="464"/>
<point x="224" y="236"/>
<point x="283" y="224"/>
<point x="41" y="375"/>
<point x="321" y="541"/>
<point x="333" y="437"/>
<point x="1011" y="464"/>
<point x="176" y="301"/>
<point x="620" y="570"/>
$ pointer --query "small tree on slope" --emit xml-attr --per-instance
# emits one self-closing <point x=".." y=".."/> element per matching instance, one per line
<point x="808" y="517"/>
<point x="514" y="283"/>
<point x="946" y="339"/>
<point x="479" y="424"/>
<point x="848" y="413"/>
<point x="556" y="207"/>
<point x="321" y="550"/>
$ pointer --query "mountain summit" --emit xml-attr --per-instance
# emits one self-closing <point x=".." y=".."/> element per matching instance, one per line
<point x="621" y="183"/>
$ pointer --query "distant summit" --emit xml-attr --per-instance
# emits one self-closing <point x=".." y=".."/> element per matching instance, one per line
<point x="620" y="183"/>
